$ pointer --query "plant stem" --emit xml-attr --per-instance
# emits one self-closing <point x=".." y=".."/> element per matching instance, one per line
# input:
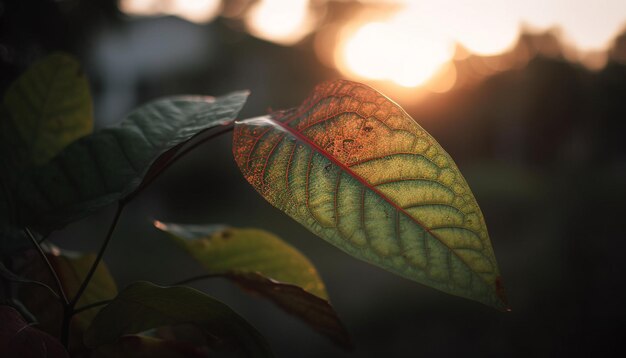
<point x="67" y="307"/>
<point x="197" y="278"/>
<point x="91" y="305"/>
<point x="151" y="179"/>
<point x="94" y="266"/>
<point x="226" y="129"/>
<point x="65" y="301"/>
<point x="70" y="309"/>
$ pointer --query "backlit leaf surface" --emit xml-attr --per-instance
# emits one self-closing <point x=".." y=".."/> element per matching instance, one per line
<point x="354" y="168"/>
<point x="231" y="250"/>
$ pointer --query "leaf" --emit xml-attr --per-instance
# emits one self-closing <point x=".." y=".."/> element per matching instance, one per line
<point x="262" y="263"/>
<point x="71" y="269"/>
<point x="20" y="340"/>
<point x="143" y="305"/>
<point x="111" y="164"/>
<point x="46" y="108"/>
<point x="315" y="311"/>
<point x="355" y="169"/>
<point x="9" y="275"/>
<point x="228" y="250"/>
<point x="139" y="346"/>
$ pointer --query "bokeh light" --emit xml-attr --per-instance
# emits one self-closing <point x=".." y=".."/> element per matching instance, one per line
<point x="410" y="42"/>
<point x="281" y="21"/>
<point x="411" y="46"/>
<point x="198" y="11"/>
<point x="390" y="51"/>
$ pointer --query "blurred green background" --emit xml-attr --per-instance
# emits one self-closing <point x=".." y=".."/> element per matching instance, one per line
<point x="537" y="133"/>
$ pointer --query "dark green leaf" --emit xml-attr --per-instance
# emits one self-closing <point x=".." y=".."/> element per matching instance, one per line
<point x="143" y="306"/>
<point x="47" y="108"/>
<point x="262" y="263"/>
<point x="111" y="164"/>
<point x="44" y="110"/>
<point x="20" y="340"/>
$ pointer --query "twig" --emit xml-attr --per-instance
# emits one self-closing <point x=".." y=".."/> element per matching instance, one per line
<point x="144" y="185"/>
<point x="91" y="305"/>
<point x="47" y="262"/>
<point x="197" y="278"/>
<point x="94" y="266"/>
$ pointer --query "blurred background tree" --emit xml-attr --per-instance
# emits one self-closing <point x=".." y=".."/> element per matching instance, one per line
<point x="530" y="100"/>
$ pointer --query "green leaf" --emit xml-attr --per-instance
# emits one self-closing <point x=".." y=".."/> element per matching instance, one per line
<point x="46" y="108"/>
<point x="18" y="339"/>
<point x="228" y="250"/>
<point x="264" y="264"/>
<point x="358" y="171"/>
<point x="111" y="164"/>
<point x="143" y="306"/>
<point x="139" y="346"/>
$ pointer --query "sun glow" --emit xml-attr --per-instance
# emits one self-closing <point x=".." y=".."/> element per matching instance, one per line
<point x="396" y="50"/>
<point x="412" y="47"/>
<point x="281" y="21"/>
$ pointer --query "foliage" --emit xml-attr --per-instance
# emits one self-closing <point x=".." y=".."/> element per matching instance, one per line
<point x="349" y="164"/>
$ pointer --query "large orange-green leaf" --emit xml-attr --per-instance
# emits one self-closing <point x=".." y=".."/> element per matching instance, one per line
<point x="354" y="168"/>
<point x="262" y="263"/>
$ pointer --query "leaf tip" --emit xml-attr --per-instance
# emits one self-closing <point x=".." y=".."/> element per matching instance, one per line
<point x="500" y="291"/>
<point x="159" y="225"/>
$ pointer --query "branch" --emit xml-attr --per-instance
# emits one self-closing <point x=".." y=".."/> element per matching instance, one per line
<point x="47" y="262"/>
<point x="151" y="179"/>
<point x="94" y="266"/>
<point x="197" y="278"/>
<point x="91" y="305"/>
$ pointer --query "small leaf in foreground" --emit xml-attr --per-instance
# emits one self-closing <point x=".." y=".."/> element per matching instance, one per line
<point x="20" y="340"/>
<point x="261" y="263"/>
<point x="354" y="168"/>
<point x="143" y="306"/>
<point x="112" y="163"/>
<point x="229" y="250"/>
